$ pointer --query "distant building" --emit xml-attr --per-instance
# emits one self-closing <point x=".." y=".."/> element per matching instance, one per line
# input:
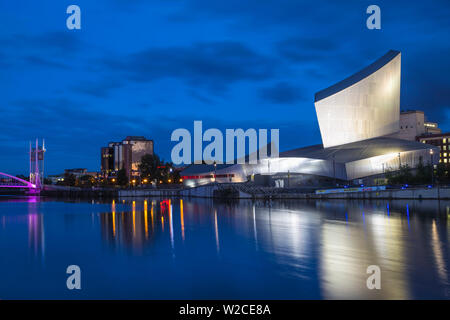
<point x="56" y="178"/>
<point x="79" y="172"/>
<point x="413" y="124"/>
<point x="441" y="140"/>
<point x="126" y="154"/>
<point x="107" y="160"/>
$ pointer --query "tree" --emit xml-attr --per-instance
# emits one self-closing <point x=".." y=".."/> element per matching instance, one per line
<point x="405" y="175"/>
<point x="402" y="176"/>
<point x="86" y="181"/>
<point x="176" y="176"/>
<point x="69" y="179"/>
<point x="442" y="175"/>
<point x="151" y="167"/>
<point x="21" y="176"/>
<point x="423" y="173"/>
<point x="420" y="172"/>
<point x="122" y="178"/>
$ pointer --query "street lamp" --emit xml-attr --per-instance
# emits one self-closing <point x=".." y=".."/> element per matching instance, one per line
<point x="215" y="172"/>
<point x="431" y="166"/>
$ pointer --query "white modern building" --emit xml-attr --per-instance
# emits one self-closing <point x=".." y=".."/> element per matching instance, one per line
<point x="359" y="121"/>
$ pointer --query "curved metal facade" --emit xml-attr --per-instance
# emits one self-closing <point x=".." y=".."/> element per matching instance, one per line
<point x="363" y="106"/>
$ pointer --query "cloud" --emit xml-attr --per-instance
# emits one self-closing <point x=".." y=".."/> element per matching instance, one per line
<point x="212" y="65"/>
<point x="306" y="49"/>
<point x="42" y="62"/>
<point x="254" y="12"/>
<point x="425" y="86"/>
<point x="56" y="42"/>
<point x="100" y="89"/>
<point x="281" y="93"/>
<point x="47" y="50"/>
<point x="73" y="128"/>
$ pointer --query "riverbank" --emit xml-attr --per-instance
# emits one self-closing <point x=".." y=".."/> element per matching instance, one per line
<point x="240" y="192"/>
<point x="75" y="192"/>
<point x="243" y="191"/>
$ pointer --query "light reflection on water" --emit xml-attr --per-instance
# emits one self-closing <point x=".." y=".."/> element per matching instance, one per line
<point x="197" y="248"/>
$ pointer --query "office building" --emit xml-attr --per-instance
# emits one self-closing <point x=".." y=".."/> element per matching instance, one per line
<point x="126" y="155"/>
<point x="441" y="141"/>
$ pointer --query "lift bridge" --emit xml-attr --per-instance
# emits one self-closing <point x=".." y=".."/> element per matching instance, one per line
<point x="35" y="183"/>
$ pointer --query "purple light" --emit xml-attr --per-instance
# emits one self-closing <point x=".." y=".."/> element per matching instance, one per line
<point x="27" y="183"/>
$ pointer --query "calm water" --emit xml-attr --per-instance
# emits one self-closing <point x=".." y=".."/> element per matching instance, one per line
<point x="200" y="249"/>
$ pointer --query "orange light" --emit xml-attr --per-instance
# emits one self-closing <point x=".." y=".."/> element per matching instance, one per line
<point x="145" y="180"/>
<point x="169" y="181"/>
<point x="134" y="181"/>
<point x="181" y="180"/>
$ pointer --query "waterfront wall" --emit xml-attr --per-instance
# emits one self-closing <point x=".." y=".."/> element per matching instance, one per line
<point x="75" y="192"/>
<point x="197" y="192"/>
<point x="418" y="194"/>
<point x="208" y="192"/>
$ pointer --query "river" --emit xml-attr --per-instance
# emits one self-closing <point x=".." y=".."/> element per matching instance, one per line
<point x="205" y="249"/>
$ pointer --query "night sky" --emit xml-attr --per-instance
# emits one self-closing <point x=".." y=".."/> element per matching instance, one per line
<point x="149" y="67"/>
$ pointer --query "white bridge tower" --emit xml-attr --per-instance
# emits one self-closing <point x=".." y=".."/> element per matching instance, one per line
<point x="37" y="165"/>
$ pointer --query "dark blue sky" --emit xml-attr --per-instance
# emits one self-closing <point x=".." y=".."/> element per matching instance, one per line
<point x="149" y="67"/>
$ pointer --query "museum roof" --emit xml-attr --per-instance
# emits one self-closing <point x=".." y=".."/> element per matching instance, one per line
<point x="364" y="73"/>
<point x="356" y="150"/>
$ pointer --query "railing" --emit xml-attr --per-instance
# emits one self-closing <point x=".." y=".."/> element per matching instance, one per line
<point x="8" y="181"/>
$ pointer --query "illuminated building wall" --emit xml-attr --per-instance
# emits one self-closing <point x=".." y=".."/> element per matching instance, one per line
<point x="363" y="106"/>
<point x="126" y="154"/>
<point x="140" y="147"/>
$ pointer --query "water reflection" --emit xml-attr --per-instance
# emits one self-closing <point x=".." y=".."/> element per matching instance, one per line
<point x="36" y="232"/>
<point x="245" y="249"/>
